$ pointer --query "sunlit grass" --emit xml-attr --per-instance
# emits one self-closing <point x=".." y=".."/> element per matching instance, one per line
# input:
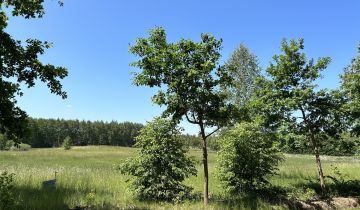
<point x="88" y="175"/>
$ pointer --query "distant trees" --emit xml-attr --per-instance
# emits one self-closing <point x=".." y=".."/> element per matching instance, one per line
<point x="20" y="64"/>
<point x="189" y="77"/>
<point x="243" y="68"/>
<point x="52" y="132"/>
<point x="161" y="165"/>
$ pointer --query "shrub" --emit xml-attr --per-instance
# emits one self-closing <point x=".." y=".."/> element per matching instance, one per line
<point x="246" y="158"/>
<point x="67" y="143"/>
<point x="7" y="200"/>
<point x="161" y="164"/>
<point x="5" y="143"/>
<point x="20" y="147"/>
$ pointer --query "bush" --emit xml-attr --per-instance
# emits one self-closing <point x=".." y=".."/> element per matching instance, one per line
<point x="246" y="158"/>
<point x="67" y="143"/>
<point x="5" y="144"/>
<point x="161" y="165"/>
<point x="3" y="141"/>
<point x="20" y="147"/>
<point x="7" y="200"/>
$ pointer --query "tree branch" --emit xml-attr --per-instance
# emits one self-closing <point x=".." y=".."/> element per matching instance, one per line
<point x="212" y="132"/>
<point x="190" y="121"/>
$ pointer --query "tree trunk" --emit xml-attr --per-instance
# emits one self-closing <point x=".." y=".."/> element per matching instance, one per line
<point x="320" y="171"/>
<point x="316" y="152"/>
<point x="318" y="162"/>
<point x="205" y="164"/>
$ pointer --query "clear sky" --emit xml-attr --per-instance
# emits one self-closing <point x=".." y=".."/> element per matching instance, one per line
<point x="91" y="38"/>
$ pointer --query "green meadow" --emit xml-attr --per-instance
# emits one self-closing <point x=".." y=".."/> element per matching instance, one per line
<point x="87" y="176"/>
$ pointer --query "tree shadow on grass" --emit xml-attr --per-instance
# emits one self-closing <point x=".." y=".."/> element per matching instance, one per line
<point x="335" y="187"/>
<point x="28" y="197"/>
<point x="259" y="199"/>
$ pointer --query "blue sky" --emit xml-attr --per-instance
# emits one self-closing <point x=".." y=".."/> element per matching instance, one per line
<point x="91" y="38"/>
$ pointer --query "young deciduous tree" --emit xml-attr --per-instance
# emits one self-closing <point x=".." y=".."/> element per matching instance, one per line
<point x="161" y="165"/>
<point x="189" y="79"/>
<point x="292" y="96"/>
<point x="67" y="143"/>
<point x="19" y="63"/>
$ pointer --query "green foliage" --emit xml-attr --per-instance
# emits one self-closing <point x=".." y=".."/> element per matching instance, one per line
<point x="341" y="145"/>
<point x="344" y="145"/>
<point x="5" y="144"/>
<point x="20" y="147"/>
<point x="189" y="79"/>
<point x="350" y="86"/>
<point x="67" y="143"/>
<point x="247" y="158"/>
<point x="191" y="141"/>
<point x="214" y="143"/>
<point x="7" y="197"/>
<point x="51" y="132"/>
<point x="161" y="165"/>
<point x="20" y="64"/>
<point x="187" y="69"/>
<point x="243" y="67"/>
<point x="290" y="97"/>
<point x="342" y="184"/>
<point x="301" y="193"/>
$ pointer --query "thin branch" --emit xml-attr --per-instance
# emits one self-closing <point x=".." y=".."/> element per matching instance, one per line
<point x="212" y="132"/>
<point x="190" y="121"/>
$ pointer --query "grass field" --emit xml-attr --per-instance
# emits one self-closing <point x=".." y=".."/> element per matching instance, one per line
<point x="88" y="176"/>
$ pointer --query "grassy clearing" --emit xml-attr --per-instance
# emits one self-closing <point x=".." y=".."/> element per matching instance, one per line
<point x="87" y="175"/>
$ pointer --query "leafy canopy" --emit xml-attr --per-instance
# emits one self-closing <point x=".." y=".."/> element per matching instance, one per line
<point x="292" y="97"/>
<point x="187" y="74"/>
<point x="19" y="64"/>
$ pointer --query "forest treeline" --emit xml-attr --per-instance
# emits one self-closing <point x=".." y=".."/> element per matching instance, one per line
<point x="52" y="132"/>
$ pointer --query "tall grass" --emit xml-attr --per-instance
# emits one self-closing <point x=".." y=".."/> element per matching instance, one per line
<point x="88" y="176"/>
